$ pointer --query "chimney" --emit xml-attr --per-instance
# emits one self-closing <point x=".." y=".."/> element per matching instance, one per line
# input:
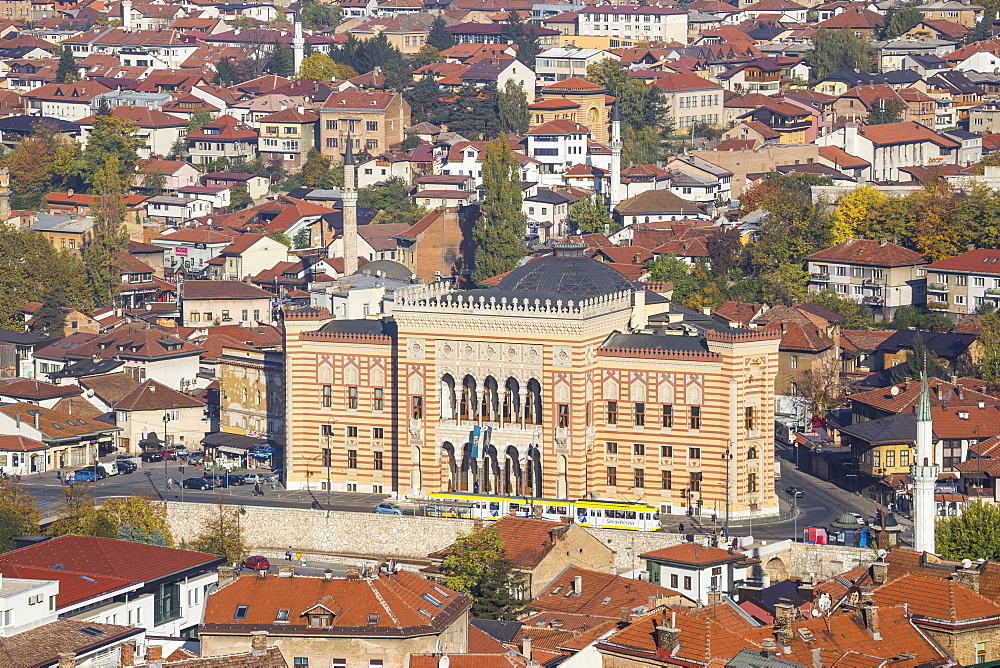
<point x="967" y="577"/>
<point x="879" y="572"/>
<point x="626" y="615"/>
<point x="67" y="660"/>
<point x="784" y="617"/>
<point x="817" y="657"/>
<point x="226" y="573"/>
<point x="526" y="647"/>
<point x="578" y="584"/>
<point x="768" y="647"/>
<point x="258" y="642"/>
<point x="285" y="571"/>
<point x="328" y="574"/>
<point x="127" y="654"/>
<point x="154" y="654"/>
<point x="37" y="416"/>
<point x="261" y="574"/>
<point x="667" y="637"/>
<point x="869" y="613"/>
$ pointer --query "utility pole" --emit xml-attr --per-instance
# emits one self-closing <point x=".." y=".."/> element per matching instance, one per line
<point x="729" y="459"/>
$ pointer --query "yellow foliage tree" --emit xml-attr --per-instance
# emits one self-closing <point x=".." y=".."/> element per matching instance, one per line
<point x="321" y="67"/>
<point x="139" y="516"/>
<point x="857" y="212"/>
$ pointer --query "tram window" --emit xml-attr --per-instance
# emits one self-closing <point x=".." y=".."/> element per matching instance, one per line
<point x="494" y="505"/>
<point x="630" y="515"/>
<point x="515" y="507"/>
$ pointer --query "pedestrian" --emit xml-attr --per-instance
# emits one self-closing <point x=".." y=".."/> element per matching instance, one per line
<point x="680" y="528"/>
<point x="256" y="489"/>
<point x="315" y="505"/>
<point x="59" y="476"/>
<point x="288" y="553"/>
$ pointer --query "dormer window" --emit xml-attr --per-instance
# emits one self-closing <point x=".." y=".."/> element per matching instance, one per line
<point x="320" y="621"/>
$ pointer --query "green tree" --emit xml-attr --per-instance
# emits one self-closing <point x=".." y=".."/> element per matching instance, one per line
<point x="669" y="268"/>
<point x="67" y="72"/>
<point x="638" y="105"/>
<point x="989" y="346"/>
<point x="145" y="518"/>
<point x="975" y="534"/>
<point x="222" y="535"/>
<point x="856" y="316"/>
<point x="912" y="317"/>
<point x="838" y="50"/>
<point x="590" y="215"/>
<point x="103" y="107"/>
<point x="523" y="38"/>
<point x="512" y="109"/>
<point x="472" y="112"/>
<point x="77" y="515"/>
<point x="393" y="199"/>
<point x="282" y="61"/>
<point x="226" y="73"/>
<point x="469" y="556"/>
<point x="112" y="137"/>
<point x="983" y="29"/>
<point x="19" y="515"/>
<point x="410" y="142"/>
<point x="302" y="238"/>
<point x="497" y="594"/>
<point x="885" y="111"/>
<point x="902" y="21"/>
<point x="437" y="37"/>
<point x="425" y="56"/>
<point x="153" y="183"/>
<point x="31" y="267"/>
<point x="316" y="14"/>
<point x="920" y="360"/>
<point x="498" y="234"/>
<point x="239" y="197"/>
<point x="424" y="98"/>
<point x="318" y="66"/>
<point x="640" y="146"/>
<point x="49" y="318"/>
<point x="110" y="238"/>
<point x="198" y="119"/>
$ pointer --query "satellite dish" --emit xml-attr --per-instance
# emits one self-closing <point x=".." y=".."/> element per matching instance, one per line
<point x="881" y="554"/>
<point x="894" y="391"/>
<point x="89" y="392"/>
<point x="825" y="602"/>
<point x="816" y="613"/>
<point x="444" y="662"/>
<point x="966" y="563"/>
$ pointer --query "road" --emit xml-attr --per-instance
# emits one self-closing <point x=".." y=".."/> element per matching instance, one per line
<point x="821" y="504"/>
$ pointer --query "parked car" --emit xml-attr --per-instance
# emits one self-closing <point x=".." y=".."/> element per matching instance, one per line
<point x="254" y="478"/>
<point x="125" y="466"/>
<point x="181" y="451"/>
<point x="276" y="475"/>
<point x="197" y="483"/>
<point x="196" y="457"/>
<point x="217" y="480"/>
<point x="257" y="563"/>
<point x="388" y="509"/>
<point x="237" y="479"/>
<point x="151" y="457"/>
<point x="82" y="475"/>
<point x="795" y="491"/>
<point x="100" y="473"/>
<point x="168" y="454"/>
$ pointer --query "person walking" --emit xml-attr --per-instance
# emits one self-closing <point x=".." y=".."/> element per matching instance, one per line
<point x="288" y="553"/>
<point x="256" y="489"/>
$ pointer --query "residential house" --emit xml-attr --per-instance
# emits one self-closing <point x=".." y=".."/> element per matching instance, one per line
<point x="495" y="33"/>
<point x="287" y="135"/>
<point x="858" y="20"/>
<point x="548" y="212"/>
<point x="561" y="63"/>
<point x="36" y="392"/>
<point x="642" y="23"/>
<point x="438" y="244"/>
<point x="65" y="642"/>
<point x="891" y="146"/>
<point x="698" y="180"/>
<point x="149" y="413"/>
<point x="51" y="358"/>
<point x="881" y="274"/>
<point x="205" y="303"/>
<point x="857" y="103"/>
<point x="159" y="589"/>
<point x="697" y="572"/>
<point x="23" y="346"/>
<point x="176" y="173"/>
<point x="224" y="137"/>
<point x="557" y="145"/>
<point x="158" y="131"/>
<point x="406" y="32"/>
<point x="189" y="250"/>
<point x="955" y="87"/>
<point x="173" y="210"/>
<point x="252" y="393"/>
<point x="67" y="102"/>
<point x="965" y="14"/>
<point x="396" y="615"/>
<point x="691" y="99"/>
<point x="375" y="120"/>
<point x="791" y="122"/>
<point x="654" y="206"/>
<point x="247" y="255"/>
<point x="761" y="75"/>
<point x="540" y="550"/>
<point x="809" y="343"/>
<point x="72" y="233"/>
<point x="960" y="284"/>
<point x="70" y="440"/>
<point x="257" y="186"/>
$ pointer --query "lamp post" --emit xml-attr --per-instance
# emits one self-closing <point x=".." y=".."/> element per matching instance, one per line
<point x="166" y="419"/>
<point x="728" y="457"/>
<point x="327" y="460"/>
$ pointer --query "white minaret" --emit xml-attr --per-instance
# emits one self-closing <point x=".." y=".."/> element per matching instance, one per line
<point x="616" y="156"/>
<point x="298" y="45"/>
<point x="925" y="474"/>
<point x="350" y="200"/>
<point x="127" y="15"/>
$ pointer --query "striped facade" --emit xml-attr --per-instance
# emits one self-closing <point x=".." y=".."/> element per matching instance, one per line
<point x="560" y="413"/>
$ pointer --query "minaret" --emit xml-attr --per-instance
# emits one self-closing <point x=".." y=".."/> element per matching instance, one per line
<point x="350" y="200"/>
<point x="616" y="156"/>
<point x="127" y="15"/>
<point x="298" y="45"/>
<point x="4" y="195"/>
<point x="924" y="471"/>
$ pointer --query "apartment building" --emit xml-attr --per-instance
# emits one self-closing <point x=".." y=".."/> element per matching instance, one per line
<point x="374" y="119"/>
<point x="958" y="285"/>
<point x="564" y="63"/>
<point x="634" y="22"/>
<point x="692" y="99"/>
<point x="288" y="135"/>
<point x="880" y="274"/>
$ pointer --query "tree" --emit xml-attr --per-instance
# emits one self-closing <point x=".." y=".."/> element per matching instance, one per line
<point x="589" y="215"/>
<point x="49" y="318"/>
<point x="438" y="38"/>
<point x="724" y="251"/>
<point x="512" y="109"/>
<point x="920" y="361"/>
<point x="498" y="234"/>
<point x="886" y="111"/>
<point x="640" y="146"/>
<point x="302" y="238"/>
<point x="153" y="183"/>
<point x="103" y="107"/>
<point x="902" y="21"/>
<point x="983" y="29"/>
<point x="975" y="534"/>
<point x="282" y="61"/>
<point x="523" y="38"/>
<point x="66" y="72"/>
<point x="472" y="112"/>
<point x="856" y="214"/>
<point x="198" y="119"/>
<point x="989" y="346"/>
<point x="856" y="316"/>
<point x="410" y="142"/>
<point x="143" y="517"/>
<point x="638" y="105"/>
<point x="110" y="238"/>
<point x="222" y="535"/>
<point x="112" y="137"/>
<point x="668" y="268"/>
<point x="77" y="515"/>
<point x="838" y="50"/>
<point x="424" y="98"/>
<point x="499" y="592"/>
<point x="226" y="73"/>
<point x="19" y="515"/>
<point x="239" y="197"/>
<point x="912" y="317"/>
<point x="425" y="56"/>
<point x="316" y="14"/>
<point x="469" y="556"/>
<point x="822" y="385"/>
<point x="393" y="199"/>
<point x="30" y="173"/>
<point x="318" y="66"/>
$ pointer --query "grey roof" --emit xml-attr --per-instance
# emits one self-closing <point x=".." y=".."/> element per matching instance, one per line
<point x="167" y="199"/>
<point x="704" y="165"/>
<point x="24" y="338"/>
<point x="748" y="658"/>
<point x="547" y="197"/>
<point x="62" y="223"/>
<point x="365" y="326"/>
<point x="389" y="269"/>
<point x="675" y="342"/>
<point x="504" y="631"/>
<point x="901" y="427"/>
<point x="679" y="178"/>
<point x="960" y="134"/>
<point x="85" y="368"/>
<point x="943" y="344"/>
<point x="567" y="273"/>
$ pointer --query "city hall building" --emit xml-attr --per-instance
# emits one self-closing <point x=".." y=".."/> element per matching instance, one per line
<point x="563" y="381"/>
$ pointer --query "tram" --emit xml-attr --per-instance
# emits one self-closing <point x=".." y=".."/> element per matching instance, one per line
<point x="599" y="514"/>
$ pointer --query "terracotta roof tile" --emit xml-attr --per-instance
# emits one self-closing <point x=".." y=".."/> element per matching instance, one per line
<point x="938" y="599"/>
<point x="869" y="252"/>
<point x="842" y="158"/>
<point x="153" y="396"/>
<point x="907" y="132"/>
<point x="36" y="390"/>
<point x="600" y="594"/>
<point x="694" y="554"/>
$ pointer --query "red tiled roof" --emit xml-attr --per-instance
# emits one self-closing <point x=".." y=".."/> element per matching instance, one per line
<point x="229" y="129"/>
<point x="741" y="312"/>
<point x="869" y="252"/>
<point x="906" y="132"/>
<point x="15" y="443"/>
<point x="842" y="158"/>
<point x="153" y="396"/>
<point x="907" y="394"/>
<point x="694" y="554"/>
<point x="37" y="390"/>
<point x="684" y="82"/>
<point x="559" y="126"/>
<point x="573" y="83"/>
<point x="979" y="260"/>
<point x="855" y="17"/>
<point x="599" y="594"/>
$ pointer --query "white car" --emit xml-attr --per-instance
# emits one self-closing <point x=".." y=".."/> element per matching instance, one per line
<point x="253" y="478"/>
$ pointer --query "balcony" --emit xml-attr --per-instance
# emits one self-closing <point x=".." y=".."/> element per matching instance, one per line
<point x="820" y="277"/>
<point x="993" y="292"/>
<point x="937" y="306"/>
<point x="871" y="283"/>
<point x="873" y="301"/>
<point x="937" y="287"/>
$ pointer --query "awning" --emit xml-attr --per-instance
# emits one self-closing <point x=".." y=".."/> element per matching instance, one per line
<point x="231" y="450"/>
<point x="237" y="443"/>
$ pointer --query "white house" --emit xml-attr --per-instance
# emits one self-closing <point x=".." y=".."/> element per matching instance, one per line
<point x="634" y="22"/>
<point x="191" y="249"/>
<point x="892" y="146"/>
<point x="565" y="62"/>
<point x="248" y="255"/>
<point x="26" y="604"/>
<point x="557" y="145"/>
<point x="697" y="571"/>
<point x="699" y="180"/>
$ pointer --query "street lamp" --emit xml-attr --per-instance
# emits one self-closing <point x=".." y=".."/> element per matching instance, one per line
<point x="166" y="419"/>
<point x="728" y="457"/>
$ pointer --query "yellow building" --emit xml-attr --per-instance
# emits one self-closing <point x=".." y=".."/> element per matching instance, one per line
<point x="406" y="32"/>
<point x="252" y="393"/>
<point x="560" y="383"/>
<point x="577" y="100"/>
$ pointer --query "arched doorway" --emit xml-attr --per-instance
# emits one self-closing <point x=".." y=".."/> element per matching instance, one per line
<point x="776" y="570"/>
<point x="451" y="461"/>
<point x="512" y="473"/>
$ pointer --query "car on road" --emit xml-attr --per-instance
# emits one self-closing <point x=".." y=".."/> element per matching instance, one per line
<point x="181" y="451"/>
<point x="124" y="466"/>
<point x="276" y="475"/>
<point x="237" y="479"/>
<point x="388" y="509"/>
<point x="197" y="483"/>
<point x="217" y="479"/>
<point x="254" y="478"/>
<point x="168" y="454"/>
<point x="100" y="473"/>
<point x="257" y="563"/>
<point x="860" y="518"/>
<point x="795" y="491"/>
<point x="195" y="457"/>
<point x="151" y="457"/>
<point x="82" y="475"/>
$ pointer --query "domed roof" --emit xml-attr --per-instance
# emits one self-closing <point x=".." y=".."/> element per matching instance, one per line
<point x="566" y="272"/>
<point x="846" y="521"/>
<point x="389" y="269"/>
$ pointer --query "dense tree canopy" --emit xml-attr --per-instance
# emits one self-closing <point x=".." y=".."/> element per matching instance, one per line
<point x="499" y="232"/>
<point x="839" y="50"/>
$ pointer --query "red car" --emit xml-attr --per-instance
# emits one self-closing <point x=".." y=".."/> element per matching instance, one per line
<point x="168" y="454"/>
<point x="257" y="563"/>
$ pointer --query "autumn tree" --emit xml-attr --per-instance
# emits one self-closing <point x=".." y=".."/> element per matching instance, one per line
<point x="19" y="515"/>
<point x="512" y="108"/>
<point x="142" y="518"/>
<point x="30" y="166"/>
<point x="839" y="50"/>
<point x="821" y="386"/>
<point x="77" y="514"/>
<point x="318" y="66"/>
<point x="477" y="564"/>
<point x="110" y="238"/>
<point x="499" y="232"/>
<point x="989" y="346"/>
<point x="591" y="214"/>
<point x="222" y="534"/>
<point x="425" y="56"/>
